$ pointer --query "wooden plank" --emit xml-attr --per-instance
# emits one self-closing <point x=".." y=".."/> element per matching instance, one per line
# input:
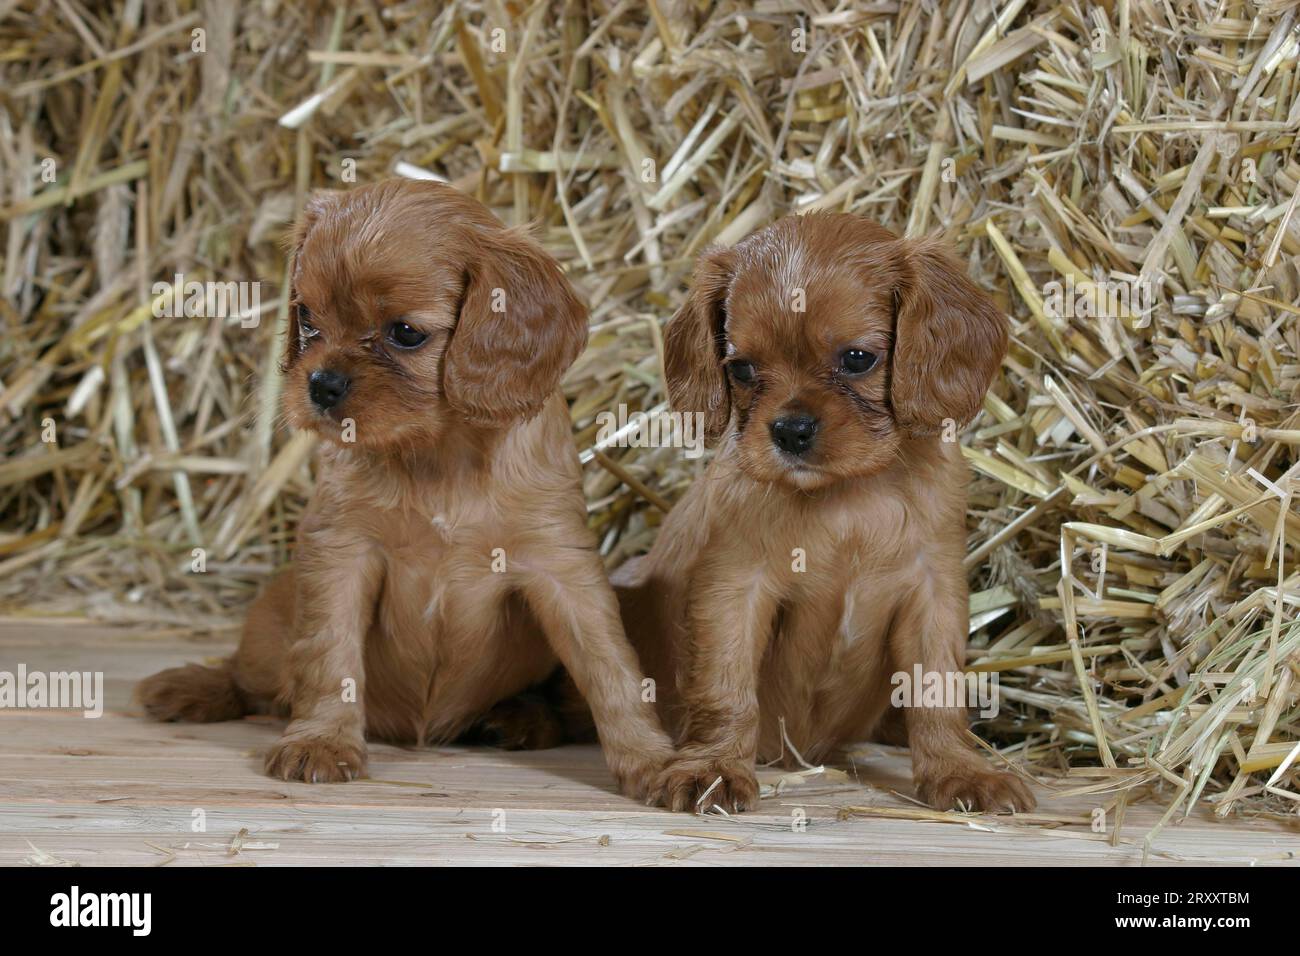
<point x="123" y="790"/>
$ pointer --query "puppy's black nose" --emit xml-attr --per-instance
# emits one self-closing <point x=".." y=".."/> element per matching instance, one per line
<point x="794" y="434"/>
<point x="327" y="388"/>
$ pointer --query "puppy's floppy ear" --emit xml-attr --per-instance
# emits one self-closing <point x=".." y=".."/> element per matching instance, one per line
<point x="521" y="326"/>
<point x="317" y="205"/>
<point x="949" y="339"/>
<point x="694" y="339"/>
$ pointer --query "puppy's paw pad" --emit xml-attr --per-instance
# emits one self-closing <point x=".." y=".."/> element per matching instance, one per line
<point x="987" y="790"/>
<point x="700" y="784"/>
<point x="313" y="760"/>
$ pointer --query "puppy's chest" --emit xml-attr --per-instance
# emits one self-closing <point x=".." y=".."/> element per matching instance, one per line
<point x="442" y="567"/>
<point x="846" y="572"/>
<point x="834" y="548"/>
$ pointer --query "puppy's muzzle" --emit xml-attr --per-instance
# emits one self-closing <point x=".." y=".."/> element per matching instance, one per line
<point x="327" y="388"/>
<point x="794" y="434"/>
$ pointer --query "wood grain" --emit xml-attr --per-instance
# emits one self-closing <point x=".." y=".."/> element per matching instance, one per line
<point x="122" y="790"/>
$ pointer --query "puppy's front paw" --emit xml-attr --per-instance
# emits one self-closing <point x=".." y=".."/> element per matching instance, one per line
<point x="636" y="775"/>
<point x="317" y="759"/>
<point x="976" y="788"/>
<point x="700" y="783"/>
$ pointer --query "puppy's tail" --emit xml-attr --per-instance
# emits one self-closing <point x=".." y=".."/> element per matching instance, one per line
<point x="194" y="693"/>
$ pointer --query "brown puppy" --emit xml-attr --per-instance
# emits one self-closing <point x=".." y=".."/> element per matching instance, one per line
<point x="444" y="562"/>
<point x="821" y="552"/>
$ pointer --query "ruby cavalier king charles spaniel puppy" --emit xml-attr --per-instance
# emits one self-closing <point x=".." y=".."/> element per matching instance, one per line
<point x="821" y="552"/>
<point x="443" y="564"/>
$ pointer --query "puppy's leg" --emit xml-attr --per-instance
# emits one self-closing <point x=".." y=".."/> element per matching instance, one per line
<point x="526" y="721"/>
<point x="569" y="707"/>
<point x="930" y="629"/>
<point x="730" y="614"/>
<point x="652" y="606"/>
<point x="247" y="683"/>
<point x="892" y="729"/>
<point x="572" y="600"/>
<point x="546" y="715"/>
<point x="193" y="693"/>
<point x="821" y="626"/>
<point x="338" y="584"/>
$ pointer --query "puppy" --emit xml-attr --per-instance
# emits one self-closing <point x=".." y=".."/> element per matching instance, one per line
<point x="822" y="550"/>
<point x="444" y="563"/>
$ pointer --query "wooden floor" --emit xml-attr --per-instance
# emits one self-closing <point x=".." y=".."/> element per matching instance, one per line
<point x="123" y="790"/>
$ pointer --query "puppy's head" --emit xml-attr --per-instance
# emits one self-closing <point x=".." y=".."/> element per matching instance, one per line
<point x="412" y="308"/>
<point x="824" y="341"/>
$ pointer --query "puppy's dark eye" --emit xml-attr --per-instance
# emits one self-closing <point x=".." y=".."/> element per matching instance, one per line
<point x="306" y="331"/>
<point x="742" y="372"/>
<point x="857" y="361"/>
<point x="405" y="337"/>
